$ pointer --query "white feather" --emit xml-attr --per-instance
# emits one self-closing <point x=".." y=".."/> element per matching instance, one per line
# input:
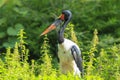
<point x="67" y="63"/>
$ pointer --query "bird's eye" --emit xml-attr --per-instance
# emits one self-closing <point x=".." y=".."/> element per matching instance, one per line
<point x="66" y="16"/>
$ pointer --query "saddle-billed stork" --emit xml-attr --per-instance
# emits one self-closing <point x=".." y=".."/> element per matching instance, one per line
<point x="69" y="53"/>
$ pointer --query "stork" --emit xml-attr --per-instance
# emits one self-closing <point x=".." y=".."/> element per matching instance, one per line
<point x="69" y="53"/>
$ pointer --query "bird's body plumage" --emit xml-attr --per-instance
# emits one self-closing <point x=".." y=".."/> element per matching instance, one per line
<point x="67" y="62"/>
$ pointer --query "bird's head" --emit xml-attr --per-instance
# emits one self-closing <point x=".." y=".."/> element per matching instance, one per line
<point x="65" y="16"/>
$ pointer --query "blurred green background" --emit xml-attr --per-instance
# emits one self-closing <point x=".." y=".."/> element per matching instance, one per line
<point x="35" y="15"/>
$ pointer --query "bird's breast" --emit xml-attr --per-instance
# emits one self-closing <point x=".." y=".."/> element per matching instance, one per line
<point x="64" y="52"/>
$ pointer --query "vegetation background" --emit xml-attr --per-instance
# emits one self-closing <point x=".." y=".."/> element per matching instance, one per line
<point x="95" y="26"/>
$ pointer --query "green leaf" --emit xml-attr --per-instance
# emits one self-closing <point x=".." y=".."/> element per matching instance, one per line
<point x="2" y="20"/>
<point x="2" y="34"/>
<point x="11" y="31"/>
<point x="6" y="44"/>
<point x="2" y="2"/>
<point x="14" y="31"/>
<point x="18" y="27"/>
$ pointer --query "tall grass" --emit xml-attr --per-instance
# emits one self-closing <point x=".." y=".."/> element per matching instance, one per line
<point x="101" y="64"/>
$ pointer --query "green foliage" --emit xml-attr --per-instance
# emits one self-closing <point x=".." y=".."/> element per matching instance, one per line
<point x="23" y="50"/>
<point x="101" y="56"/>
<point x="91" y="54"/>
<point x="46" y="67"/>
<point x="106" y="58"/>
<point x="35" y="15"/>
<point x="15" y="65"/>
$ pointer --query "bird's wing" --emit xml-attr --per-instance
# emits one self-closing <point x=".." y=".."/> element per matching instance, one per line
<point x="77" y="57"/>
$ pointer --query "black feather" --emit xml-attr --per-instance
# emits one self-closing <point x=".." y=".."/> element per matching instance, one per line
<point x="77" y="57"/>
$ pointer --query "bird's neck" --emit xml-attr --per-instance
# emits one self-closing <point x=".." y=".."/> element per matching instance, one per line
<point x="61" y="32"/>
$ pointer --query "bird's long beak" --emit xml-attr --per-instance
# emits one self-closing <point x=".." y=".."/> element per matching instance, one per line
<point x="52" y="26"/>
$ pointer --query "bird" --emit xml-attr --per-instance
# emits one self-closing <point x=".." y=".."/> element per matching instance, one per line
<point x="69" y="54"/>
